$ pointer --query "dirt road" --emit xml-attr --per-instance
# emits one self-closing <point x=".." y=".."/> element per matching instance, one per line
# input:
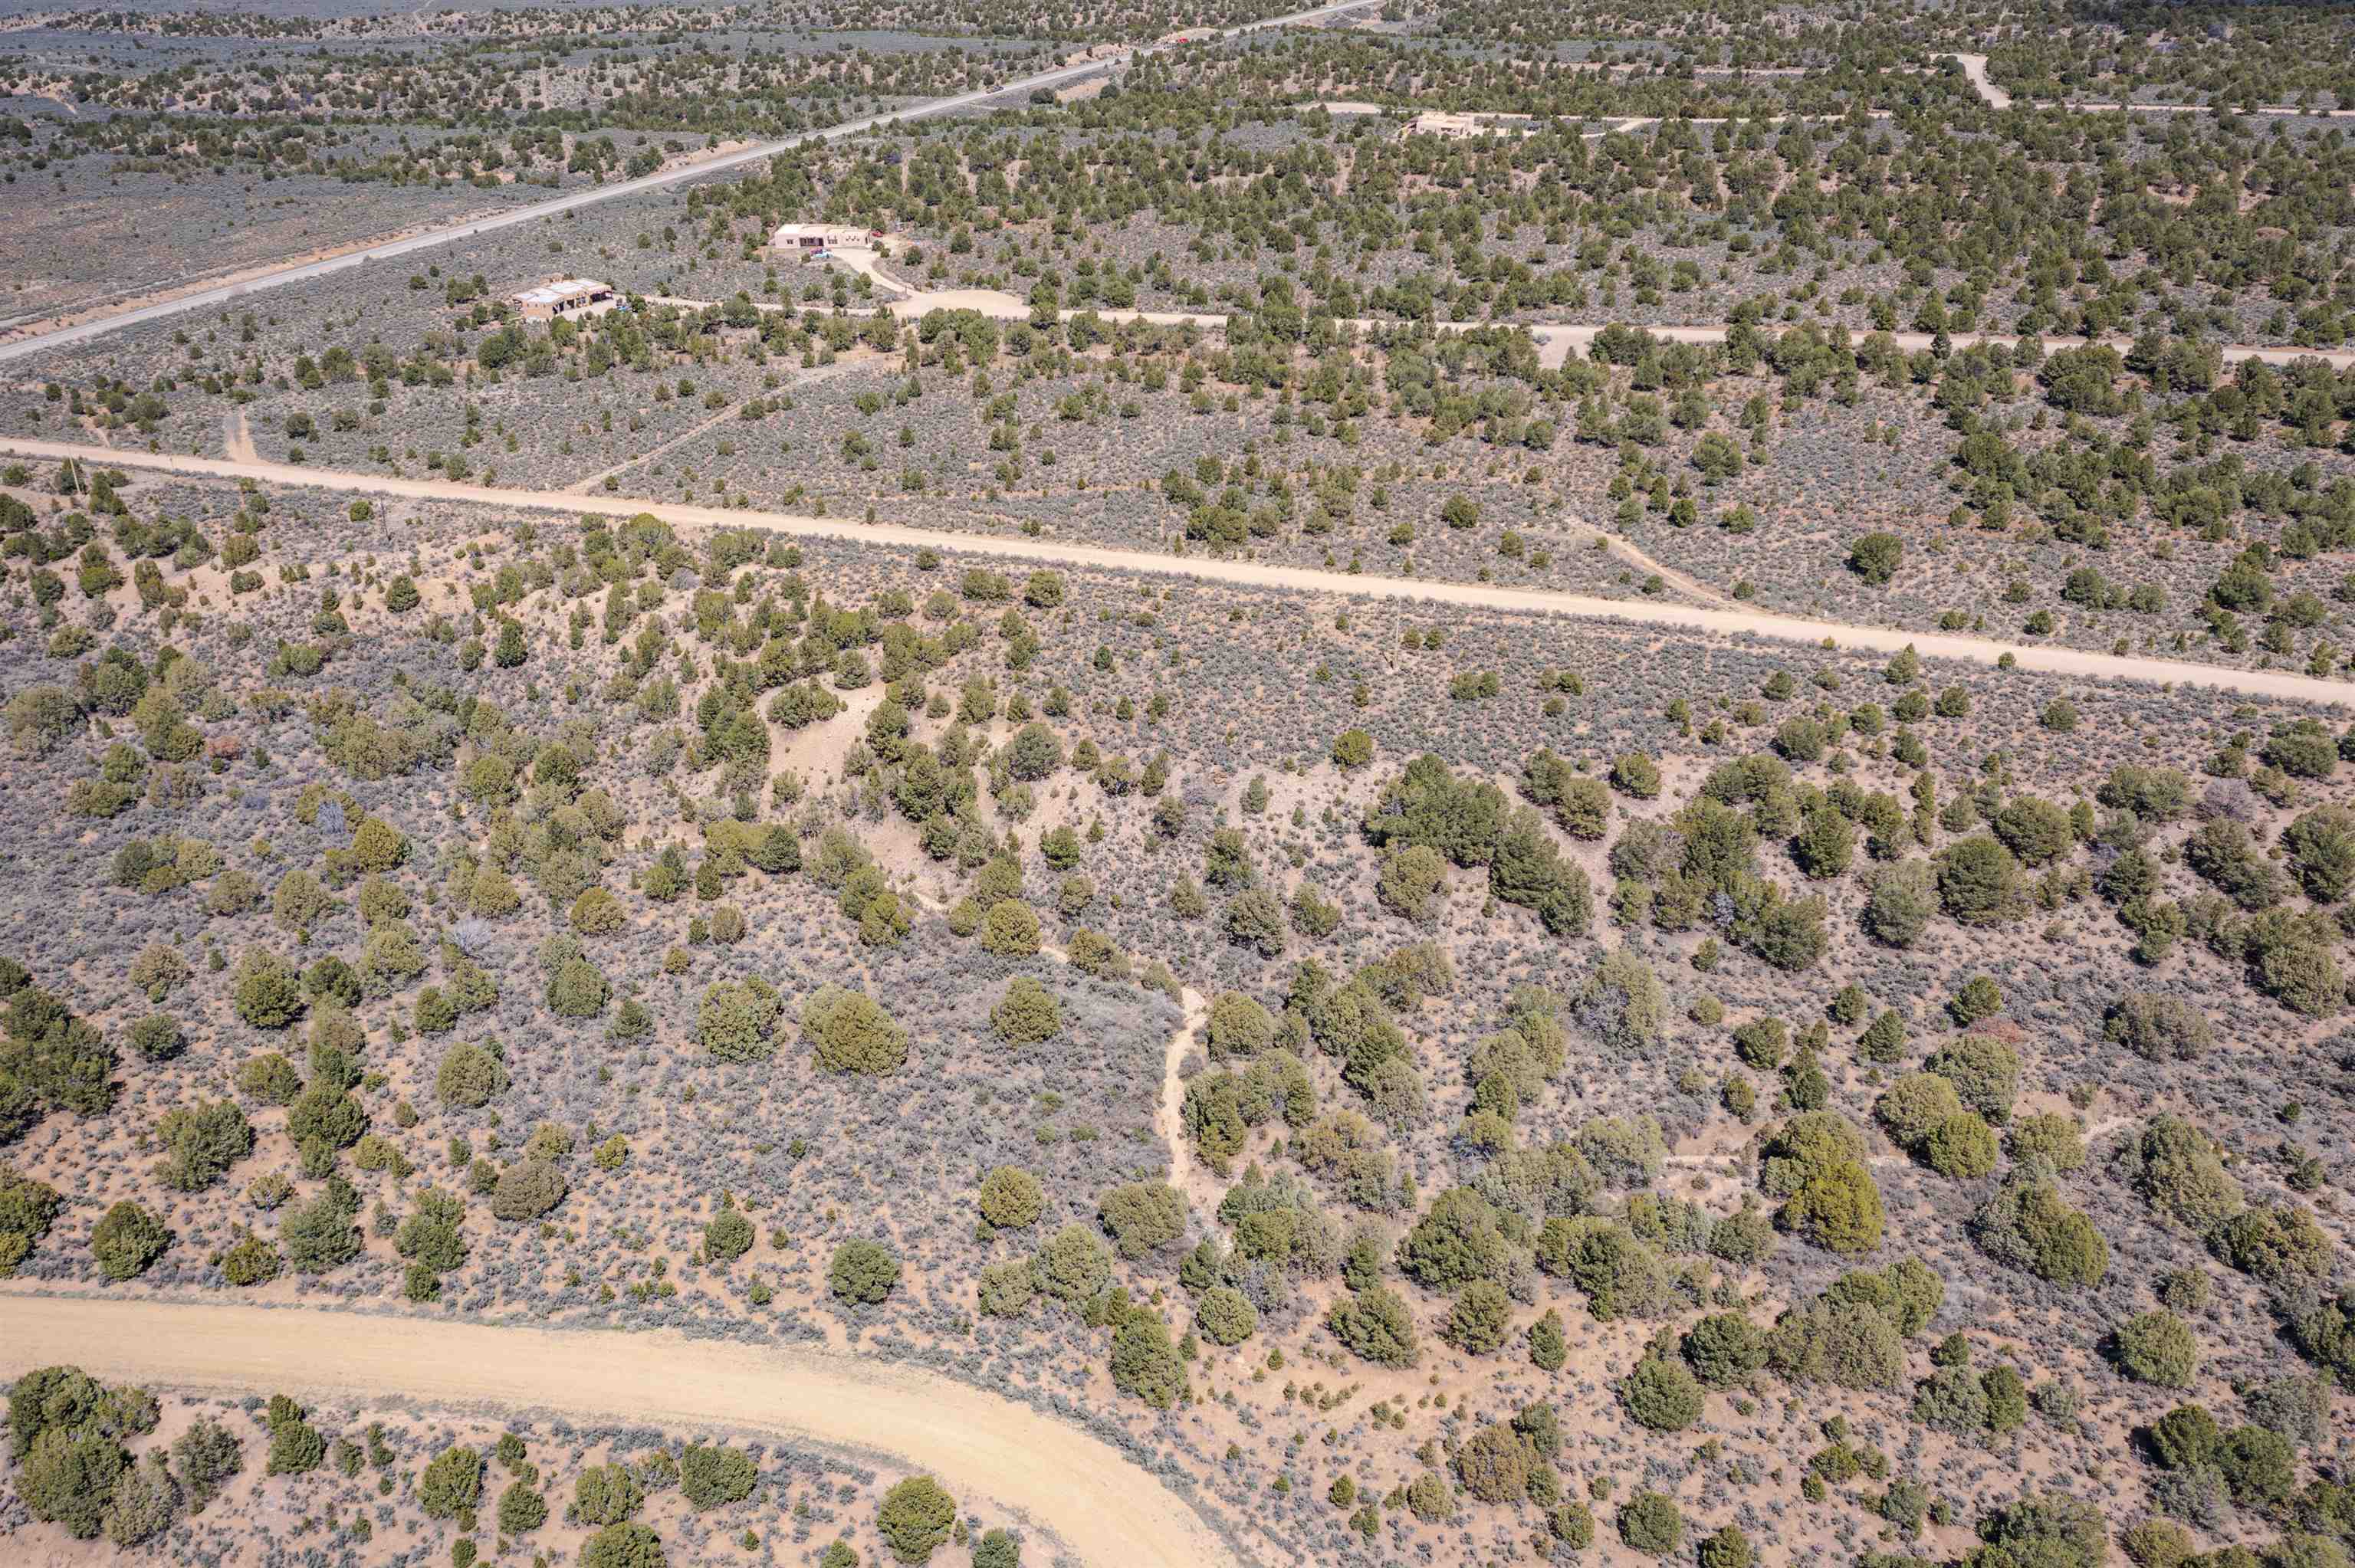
<point x="1975" y="69"/>
<point x="987" y="1450"/>
<point x="2069" y="661"/>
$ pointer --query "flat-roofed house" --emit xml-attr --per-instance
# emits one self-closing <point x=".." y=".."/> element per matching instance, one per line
<point x="569" y="298"/>
<point x="808" y="236"/>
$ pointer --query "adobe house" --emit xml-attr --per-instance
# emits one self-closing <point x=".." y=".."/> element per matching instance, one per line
<point x="571" y="298"/>
<point x="806" y="238"/>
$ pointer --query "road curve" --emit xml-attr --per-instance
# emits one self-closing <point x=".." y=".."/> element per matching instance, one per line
<point x="1974" y="70"/>
<point x="2069" y="662"/>
<point x="205" y="299"/>
<point x="987" y="1450"/>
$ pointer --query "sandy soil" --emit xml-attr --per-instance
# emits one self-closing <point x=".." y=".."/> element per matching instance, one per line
<point x="1106" y="1509"/>
<point x="2071" y="661"/>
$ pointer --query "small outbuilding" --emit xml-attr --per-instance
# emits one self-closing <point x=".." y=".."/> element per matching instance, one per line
<point x="570" y="298"/>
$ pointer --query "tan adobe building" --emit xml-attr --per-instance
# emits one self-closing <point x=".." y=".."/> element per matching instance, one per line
<point x="808" y="236"/>
<point x="571" y="298"/>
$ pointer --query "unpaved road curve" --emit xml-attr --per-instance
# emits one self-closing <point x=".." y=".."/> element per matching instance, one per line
<point x="984" y="1450"/>
<point x="2071" y="661"/>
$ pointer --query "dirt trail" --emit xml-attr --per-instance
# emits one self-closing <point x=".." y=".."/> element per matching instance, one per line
<point x="237" y="438"/>
<point x="986" y="1449"/>
<point x="2072" y="662"/>
<point x="655" y="454"/>
<point x="1168" y="1117"/>
<point x="1683" y="582"/>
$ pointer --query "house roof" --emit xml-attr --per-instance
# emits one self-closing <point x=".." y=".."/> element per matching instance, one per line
<point x="561" y="289"/>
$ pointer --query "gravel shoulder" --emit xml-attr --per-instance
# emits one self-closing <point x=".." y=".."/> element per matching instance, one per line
<point x="976" y="1444"/>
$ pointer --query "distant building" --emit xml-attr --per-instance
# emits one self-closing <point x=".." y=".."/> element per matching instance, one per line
<point x="570" y="298"/>
<point x="1462" y="127"/>
<point x="808" y="236"/>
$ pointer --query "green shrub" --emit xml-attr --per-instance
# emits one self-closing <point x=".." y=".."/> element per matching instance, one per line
<point x="296" y="1447"/>
<point x="319" y="1236"/>
<point x="28" y="1209"/>
<point x="1979" y="881"/>
<point x="2156" y="1348"/>
<point x="157" y="1037"/>
<point x="1493" y="1463"/>
<point x="1008" y="1288"/>
<point x="1724" y="1348"/>
<point x="606" y="1495"/>
<point x="1728" y="1548"/>
<point x="1073" y="1265"/>
<point x="1985" y="1073"/>
<point x="1011" y="1198"/>
<point x="68" y="1476"/>
<point x="1961" y="1147"/>
<point x="1376" y="1326"/>
<point x="1225" y="1316"/>
<point x="727" y="1236"/>
<point x="270" y="1078"/>
<point x="252" y="1261"/>
<point x="628" y="1545"/>
<point x="735" y="1020"/>
<point x="527" y="1189"/>
<point x="1142" y="1217"/>
<point x="714" y="1476"/>
<point x="916" y="1518"/>
<point x="1650" y="1523"/>
<point x="851" y="1032"/>
<point x="1027" y="1014"/>
<point x="862" y="1272"/>
<point x="469" y="1078"/>
<point x="267" y="992"/>
<point x="522" y="1509"/>
<point x="2027" y="1225"/>
<point x="452" y="1482"/>
<point x="1480" y="1319"/>
<point x="1660" y="1393"/>
<point x="126" y="1239"/>
<point x="1010" y="930"/>
<point x="1145" y="1364"/>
